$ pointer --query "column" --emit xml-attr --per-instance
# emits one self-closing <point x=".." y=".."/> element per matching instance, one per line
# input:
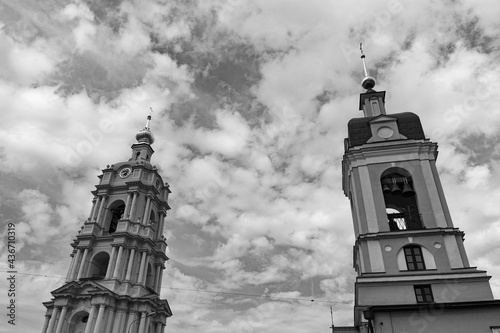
<point x="130" y="264"/>
<point x="117" y="321"/>
<point x="100" y="319"/>
<point x="110" y="320"/>
<point x="163" y="328"/>
<point x="61" y="319"/>
<point x="146" y="325"/>
<point x="141" y="268"/>
<point x="159" y="281"/>
<point x="76" y="260"/>
<point x="118" y="265"/>
<point x="132" y="207"/>
<point x="88" y="328"/>
<point x="127" y="206"/>
<point x="52" y="321"/>
<point x="122" y="325"/>
<point x="45" y="324"/>
<point x="101" y="208"/>
<point x="158" y="328"/>
<point x="161" y="225"/>
<point x="70" y="270"/>
<point x="92" y="209"/>
<point x="142" y="323"/>
<point x="131" y="319"/>
<point x="157" y="278"/>
<point x="111" y="264"/>
<point x="145" y="217"/>
<point x="82" y="264"/>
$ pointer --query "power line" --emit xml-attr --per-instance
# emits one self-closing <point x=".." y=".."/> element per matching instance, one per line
<point x="215" y="292"/>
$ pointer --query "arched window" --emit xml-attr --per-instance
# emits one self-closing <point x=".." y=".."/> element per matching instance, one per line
<point x="150" y="277"/>
<point x="78" y="322"/>
<point x="414" y="258"/>
<point x="137" y="155"/>
<point x="99" y="266"/>
<point x="152" y="219"/>
<point x="115" y="214"/>
<point x="400" y="200"/>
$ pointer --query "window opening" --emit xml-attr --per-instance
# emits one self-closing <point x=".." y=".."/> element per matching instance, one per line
<point x="423" y="293"/>
<point x="401" y="202"/>
<point x="137" y="155"/>
<point x="116" y="215"/>
<point x="414" y="258"/>
<point x="99" y="266"/>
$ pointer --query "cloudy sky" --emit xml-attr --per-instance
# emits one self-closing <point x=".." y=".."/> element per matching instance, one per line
<point x="251" y="101"/>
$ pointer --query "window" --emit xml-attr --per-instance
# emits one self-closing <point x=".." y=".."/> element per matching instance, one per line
<point x="400" y="200"/>
<point x="423" y="293"/>
<point x="99" y="266"/>
<point x="414" y="258"/>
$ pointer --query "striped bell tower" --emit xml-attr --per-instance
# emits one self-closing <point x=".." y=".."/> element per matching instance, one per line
<point x="113" y="283"/>
<point x="413" y="273"/>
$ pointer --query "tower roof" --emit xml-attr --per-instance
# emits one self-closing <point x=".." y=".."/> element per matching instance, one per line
<point x="359" y="131"/>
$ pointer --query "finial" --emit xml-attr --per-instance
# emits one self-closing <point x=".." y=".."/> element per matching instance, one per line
<point x="369" y="81"/>
<point x="149" y="117"/>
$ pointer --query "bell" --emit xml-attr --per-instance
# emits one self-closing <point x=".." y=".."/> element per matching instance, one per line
<point x="386" y="188"/>
<point x="407" y="190"/>
<point x="396" y="190"/>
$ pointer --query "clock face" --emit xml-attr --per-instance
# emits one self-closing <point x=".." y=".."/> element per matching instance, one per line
<point x="125" y="172"/>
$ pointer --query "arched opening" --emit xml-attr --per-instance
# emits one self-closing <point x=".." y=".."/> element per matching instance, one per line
<point x="400" y="200"/>
<point x="150" y="277"/>
<point x="152" y="219"/>
<point x="414" y="257"/>
<point x="78" y="323"/>
<point x="137" y="155"/>
<point x="99" y="266"/>
<point x="115" y="214"/>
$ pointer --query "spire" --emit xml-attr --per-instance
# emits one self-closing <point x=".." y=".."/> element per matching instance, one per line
<point x="145" y="134"/>
<point x="369" y="81"/>
<point x="371" y="102"/>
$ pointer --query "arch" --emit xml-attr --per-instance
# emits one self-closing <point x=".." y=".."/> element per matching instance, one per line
<point x="150" y="279"/>
<point x="399" y="195"/>
<point x="428" y="258"/>
<point x="78" y="322"/>
<point x="115" y="214"/>
<point x="152" y="219"/>
<point x="99" y="265"/>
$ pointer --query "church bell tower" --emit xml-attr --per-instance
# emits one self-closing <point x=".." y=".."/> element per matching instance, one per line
<point x="114" y="280"/>
<point x="413" y="274"/>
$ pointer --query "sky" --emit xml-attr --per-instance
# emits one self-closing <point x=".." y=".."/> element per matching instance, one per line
<point x="251" y="101"/>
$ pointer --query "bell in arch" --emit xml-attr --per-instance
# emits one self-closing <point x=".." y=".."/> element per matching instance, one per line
<point x="407" y="190"/>
<point x="395" y="189"/>
<point x="386" y="188"/>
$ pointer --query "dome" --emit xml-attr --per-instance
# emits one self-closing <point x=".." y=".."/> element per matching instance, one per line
<point x="145" y="135"/>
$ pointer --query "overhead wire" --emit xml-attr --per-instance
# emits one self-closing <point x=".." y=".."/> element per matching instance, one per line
<point x="214" y="291"/>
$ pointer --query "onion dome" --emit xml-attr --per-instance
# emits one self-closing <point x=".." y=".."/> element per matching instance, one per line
<point x="145" y="135"/>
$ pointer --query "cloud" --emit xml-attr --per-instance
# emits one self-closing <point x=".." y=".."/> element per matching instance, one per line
<point x="251" y="101"/>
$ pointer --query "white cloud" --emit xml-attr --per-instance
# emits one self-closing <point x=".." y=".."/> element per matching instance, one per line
<point x="255" y="168"/>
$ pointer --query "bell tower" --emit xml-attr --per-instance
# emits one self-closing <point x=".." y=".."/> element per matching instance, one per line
<point x="408" y="255"/>
<point x="114" y="280"/>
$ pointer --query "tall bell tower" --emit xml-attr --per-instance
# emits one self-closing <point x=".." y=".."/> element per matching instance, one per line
<point x="114" y="279"/>
<point x="413" y="274"/>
